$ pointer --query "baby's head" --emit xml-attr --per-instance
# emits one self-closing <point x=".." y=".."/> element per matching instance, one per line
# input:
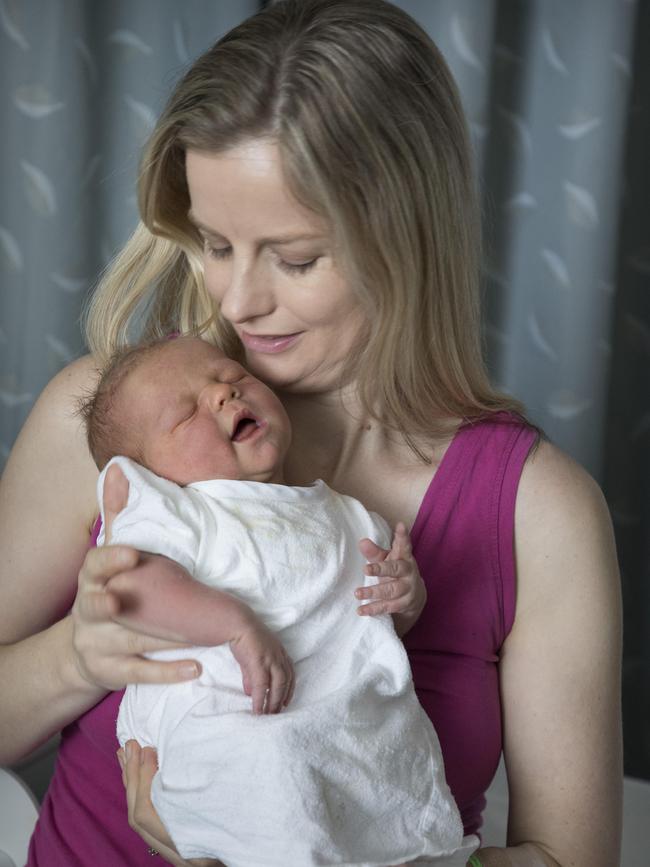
<point x="188" y="413"/>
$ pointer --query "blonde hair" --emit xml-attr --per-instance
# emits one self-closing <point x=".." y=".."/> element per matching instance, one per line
<point x="372" y="137"/>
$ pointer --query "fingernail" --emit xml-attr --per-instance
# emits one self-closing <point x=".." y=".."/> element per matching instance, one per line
<point x="358" y="594"/>
<point x="190" y="670"/>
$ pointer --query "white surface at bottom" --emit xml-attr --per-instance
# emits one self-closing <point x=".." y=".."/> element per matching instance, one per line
<point x="17" y="819"/>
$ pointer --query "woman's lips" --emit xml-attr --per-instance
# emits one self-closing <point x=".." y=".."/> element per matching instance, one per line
<point x="267" y="343"/>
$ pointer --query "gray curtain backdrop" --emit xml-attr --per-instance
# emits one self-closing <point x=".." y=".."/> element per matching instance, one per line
<point x="557" y="96"/>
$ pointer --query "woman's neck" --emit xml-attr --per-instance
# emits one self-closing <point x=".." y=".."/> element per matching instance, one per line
<point x="329" y="432"/>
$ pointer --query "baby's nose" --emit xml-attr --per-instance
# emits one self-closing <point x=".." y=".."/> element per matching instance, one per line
<point x="219" y="393"/>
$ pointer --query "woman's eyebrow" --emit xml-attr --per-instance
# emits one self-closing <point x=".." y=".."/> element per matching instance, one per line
<point x="277" y="239"/>
<point x="199" y="225"/>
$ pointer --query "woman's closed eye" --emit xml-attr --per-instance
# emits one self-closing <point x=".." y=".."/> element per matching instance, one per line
<point x="290" y="267"/>
<point x="297" y="267"/>
<point x="216" y="252"/>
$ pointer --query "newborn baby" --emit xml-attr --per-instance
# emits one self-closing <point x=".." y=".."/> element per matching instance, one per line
<point x="350" y="772"/>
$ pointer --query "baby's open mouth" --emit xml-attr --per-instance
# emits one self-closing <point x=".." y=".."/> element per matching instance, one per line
<point x="245" y="425"/>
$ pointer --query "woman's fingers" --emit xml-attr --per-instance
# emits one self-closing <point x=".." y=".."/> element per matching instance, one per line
<point x="101" y="564"/>
<point x="110" y="656"/>
<point x="143" y="808"/>
<point x="149" y="671"/>
<point x="139" y="766"/>
<point x="121" y="758"/>
<point x="96" y="606"/>
<point x="130" y="776"/>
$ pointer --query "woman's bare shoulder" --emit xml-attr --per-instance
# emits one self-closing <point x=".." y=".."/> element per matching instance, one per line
<point x="47" y="498"/>
<point x="62" y="393"/>
<point x="550" y="471"/>
<point x="563" y="529"/>
<point x="54" y="434"/>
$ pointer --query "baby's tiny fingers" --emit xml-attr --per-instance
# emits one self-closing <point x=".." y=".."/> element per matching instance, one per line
<point x="401" y="546"/>
<point x="259" y="693"/>
<point x="372" y="551"/>
<point x="276" y="695"/>
<point x="386" y="588"/>
<point x="291" y="686"/>
<point x="373" y="608"/>
<point x="388" y="569"/>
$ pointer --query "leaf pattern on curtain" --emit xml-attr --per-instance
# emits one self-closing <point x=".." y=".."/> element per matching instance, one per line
<point x="557" y="98"/>
<point x="82" y="84"/>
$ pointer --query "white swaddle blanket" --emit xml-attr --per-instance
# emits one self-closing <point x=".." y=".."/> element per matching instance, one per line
<point x="350" y="773"/>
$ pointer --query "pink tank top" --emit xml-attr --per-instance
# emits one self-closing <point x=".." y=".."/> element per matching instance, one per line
<point x="463" y="542"/>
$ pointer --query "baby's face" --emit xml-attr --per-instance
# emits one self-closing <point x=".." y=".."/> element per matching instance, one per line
<point x="199" y="415"/>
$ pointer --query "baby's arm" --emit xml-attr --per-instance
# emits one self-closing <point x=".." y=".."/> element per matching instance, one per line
<point x="400" y="590"/>
<point x="166" y="601"/>
<point x="163" y="598"/>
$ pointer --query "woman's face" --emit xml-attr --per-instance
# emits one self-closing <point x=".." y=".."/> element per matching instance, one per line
<point x="271" y="267"/>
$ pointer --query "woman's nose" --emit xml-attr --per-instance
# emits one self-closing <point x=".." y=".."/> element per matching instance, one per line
<point x="217" y="394"/>
<point x="247" y="296"/>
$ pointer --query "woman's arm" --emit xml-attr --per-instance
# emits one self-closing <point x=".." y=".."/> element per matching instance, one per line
<point x="560" y="675"/>
<point x="47" y="508"/>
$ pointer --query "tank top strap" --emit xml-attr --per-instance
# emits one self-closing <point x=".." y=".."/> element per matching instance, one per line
<point x="472" y="495"/>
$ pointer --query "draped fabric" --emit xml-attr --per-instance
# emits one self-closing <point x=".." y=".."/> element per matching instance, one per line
<point x="557" y="97"/>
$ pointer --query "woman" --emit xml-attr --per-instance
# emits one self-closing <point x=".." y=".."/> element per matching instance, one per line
<point x="307" y="202"/>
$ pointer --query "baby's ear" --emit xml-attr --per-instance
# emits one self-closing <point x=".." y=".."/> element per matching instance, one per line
<point x="116" y="496"/>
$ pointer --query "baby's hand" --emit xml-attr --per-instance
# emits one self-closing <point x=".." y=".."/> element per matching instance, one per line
<point x="400" y="591"/>
<point x="267" y="672"/>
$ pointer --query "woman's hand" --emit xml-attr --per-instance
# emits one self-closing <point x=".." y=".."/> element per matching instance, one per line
<point x="139" y="766"/>
<point x="400" y="591"/>
<point x="107" y="654"/>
